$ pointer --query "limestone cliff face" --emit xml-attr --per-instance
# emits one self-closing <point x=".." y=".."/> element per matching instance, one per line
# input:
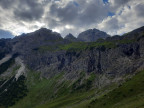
<point x="118" y="61"/>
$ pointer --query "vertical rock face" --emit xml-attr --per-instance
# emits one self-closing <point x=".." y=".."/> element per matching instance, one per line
<point x="91" y="62"/>
<point x="118" y="61"/>
<point x="92" y="35"/>
<point x="99" y="62"/>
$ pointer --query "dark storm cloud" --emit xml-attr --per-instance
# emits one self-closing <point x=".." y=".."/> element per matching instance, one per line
<point x="5" y="34"/>
<point x="140" y="10"/>
<point x="112" y="24"/>
<point x="51" y="22"/>
<point x="6" y="4"/>
<point x="29" y="10"/>
<point x="81" y="14"/>
<point x="121" y="2"/>
<point x="94" y="12"/>
<point x="68" y="13"/>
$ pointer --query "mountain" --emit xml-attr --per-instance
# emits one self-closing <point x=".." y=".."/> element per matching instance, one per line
<point x="43" y="70"/>
<point x="70" y="37"/>
<point x="38" y="40"/>
<point x="92" y="35"/>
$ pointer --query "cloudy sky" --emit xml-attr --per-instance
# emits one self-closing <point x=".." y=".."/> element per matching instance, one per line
<point x="70" y="16"/>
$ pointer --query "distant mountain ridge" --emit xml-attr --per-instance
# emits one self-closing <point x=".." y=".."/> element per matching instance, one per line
<point x="90" y="35"/>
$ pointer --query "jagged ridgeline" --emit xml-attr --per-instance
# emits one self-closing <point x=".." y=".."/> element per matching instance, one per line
<point x="43" y="70"/>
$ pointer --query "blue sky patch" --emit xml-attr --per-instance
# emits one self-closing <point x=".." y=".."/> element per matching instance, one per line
<point x="5" y="34"/>
<point x="111" y="14"/>
<point x="105" y="1"/>
<point x="75" y="3"/>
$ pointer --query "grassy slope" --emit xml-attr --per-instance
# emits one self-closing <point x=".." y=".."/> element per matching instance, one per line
<point x="128" y="95"/>
<point x="40" y="91"/>
<point x="76" y="46"/>
<point x="87" y="45"/>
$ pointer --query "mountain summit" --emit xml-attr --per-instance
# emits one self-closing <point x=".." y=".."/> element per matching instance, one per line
<point x="92" y="35"/>
<point x="70" y="37"/>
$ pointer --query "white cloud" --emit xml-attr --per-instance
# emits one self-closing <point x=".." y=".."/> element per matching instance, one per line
<point x="127" y="18"/>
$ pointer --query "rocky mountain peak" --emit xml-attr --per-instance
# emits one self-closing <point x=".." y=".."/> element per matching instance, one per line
<point x="92" y="35"/>
<point x="43" y="30"/>
<point x="41" y="37"/>
<point x="41" y="34"/>
<point x="70" y="37"/>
